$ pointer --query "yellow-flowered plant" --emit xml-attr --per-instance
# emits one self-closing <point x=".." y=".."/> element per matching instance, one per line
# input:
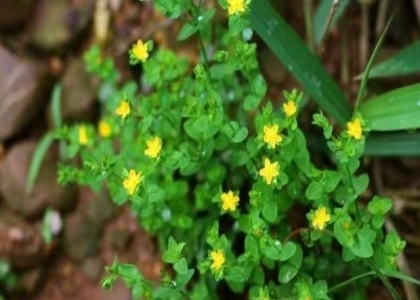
<point x="153" y="147"/>
<point x="132" y="181"/>
<point x="229" y="201"/>
<point x="271" y="136"/>
<point x="270" y="171"/>
<point x="83" y="135"/>
<point x="104" y="129"/>
<point x="220" y="174"/>
<point x="123" y="110"/>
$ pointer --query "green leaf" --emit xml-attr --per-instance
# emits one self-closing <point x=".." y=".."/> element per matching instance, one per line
<point x="181" y="266"/>
<point x="393" y="144"/>
<point x="239" y="158"/>
<point x="240" y="135"/>
<point x="314" y="191"/>
<point x="270" y="211"/>
<point x="37" y="159"/>
<point x="288" y="250"/>
<point x="56" y="106"/>
<point x="251" y="102"/>
<point x="235" y="274"/>
<point x="287" y="272"/>
<point x="395" y="110"/>
<point x="379" y="206"/>
<point x="360" y="184"/>
<point x="331" y="180"/>
<point x="322" y="14"/>
<point x="404" y="62"/>
<point x="155" y="193"/>
<point x="173" y="253"/>
<point x="296" y="57"/>
<point x="186" y="31"/>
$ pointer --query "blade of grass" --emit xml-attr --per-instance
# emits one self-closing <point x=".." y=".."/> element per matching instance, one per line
<point x="325" y="19"/>
<point x="404" y="62"/>
<point x="295" y="55"/>
<point x="395" y="110"/>
<point x="384" y="280"/>
<point x="56" y="106"/>
<point x="37" y="159"/>
<point x="393" y="144"/>
<point x="365" y="78"/>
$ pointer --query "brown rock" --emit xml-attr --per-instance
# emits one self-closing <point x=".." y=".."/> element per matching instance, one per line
<point x="21" y="83"/>
<point x="46" y="191"/>
<point x="14" y="12"/>
<point x="59" y="22"/>
<point x="78" y="94"/>
<point x="100" y="207"/>
<point x="20" y="243"/>
<point x="93" y="268"/>
<point x="81" y="237"/>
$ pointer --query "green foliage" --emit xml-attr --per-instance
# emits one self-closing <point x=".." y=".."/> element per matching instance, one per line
<point x="218" y="185"/>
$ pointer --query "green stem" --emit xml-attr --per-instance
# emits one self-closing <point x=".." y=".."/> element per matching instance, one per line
<point x="384" y="280"/>
<point x="347" y="282"/>
<point x="354" y="191"/>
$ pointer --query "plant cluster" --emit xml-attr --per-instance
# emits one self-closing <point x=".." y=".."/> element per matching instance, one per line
<point x="226" y="182"/>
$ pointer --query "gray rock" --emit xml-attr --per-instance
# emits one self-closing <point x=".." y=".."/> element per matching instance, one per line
<point x="59" y="22"/>
<point x="78" y="94"/>
<point x="14" y="12"/>
<point x="46" y="191"/>
<point x="81" y="237"/>
<point x="21" y="85"/>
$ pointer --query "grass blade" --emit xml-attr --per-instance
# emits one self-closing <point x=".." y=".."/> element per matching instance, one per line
<point x="384" y="280"/>
<point x="393" y="144"/>
<point x="395" y="110"/>
<point x="296" y="57"/>
<point x="365" y="78"/>
<point x="404" y="62"/>
<point x="56" y="106"/>
<point x="322" y="14"/>
<point x="37" y="159"/>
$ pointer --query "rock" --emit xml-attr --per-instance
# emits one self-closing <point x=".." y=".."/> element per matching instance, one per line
<point x="21" y="85"/>
<point x="81" y="237"/>
<point x="14" y="12"/>
<point x="21" y="244"/>
<point x="59" y="22"/>
<point x="118" y="239"/>
<point x="93" y="268"/>
<point x="78" y="96"/>
<point x="100" y="207"/>
<point x="46" y="191"/>
<point x="29" y="280"/>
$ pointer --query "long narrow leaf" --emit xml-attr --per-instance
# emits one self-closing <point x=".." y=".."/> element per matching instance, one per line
<point x="395" y="110"/>
<point x="56" y="106"/>
<point x="296" y="57"/>
<point x="404" y="62"/>
<point x="37" y="159"/>
<point x="393" y="144"/>
<point x="322" y="14"/>
<point x="363" y="84"/>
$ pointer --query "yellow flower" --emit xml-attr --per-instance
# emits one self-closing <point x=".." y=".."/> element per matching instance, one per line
<point x="83" y="138"/>
<point x="123" y="109"/>
<point x="321" y="218"/>
<point x="218" y="258"/>
<point x="104" y="129"/>
<point x="289" y="108"/>
<point x="229" y="201"/>
<point x="132" y="181"/>
<point x="354" y="129"/>
<point x="271" y="136"/>
<point x="140" y="51"/>
<point x="236" y="6"/>
<point x="153" y="147"/>
<point x="270" y="171"/>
